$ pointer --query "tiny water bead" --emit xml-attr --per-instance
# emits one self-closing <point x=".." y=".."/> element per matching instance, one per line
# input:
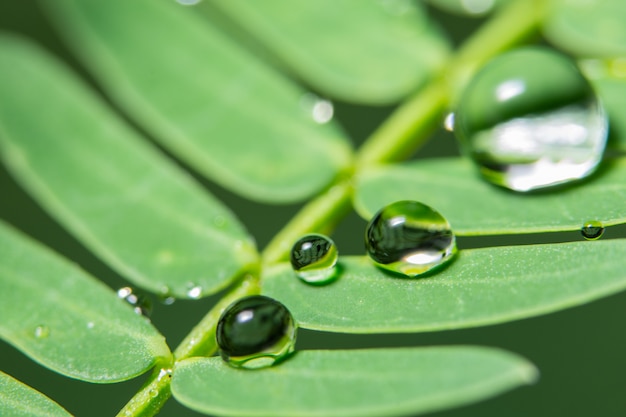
<point x="592" y="230"/>
<point x="409" y="238"/>
<point x="313" y="258"/>
<point x="42" y="332"/>
<point x="529" y="119"/>
<point x="141" y="303"/>
<point x="255" y="332"/>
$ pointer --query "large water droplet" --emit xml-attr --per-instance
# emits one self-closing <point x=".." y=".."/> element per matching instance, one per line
<point x="529" y="119"/>
<point x="313" y="258"/>
<point x="409" y="238"/>
<point x="255" y="332"/>
<point x="42" y="332"/>
<point x="592" y="230"/>
<point x="140" y="302"/>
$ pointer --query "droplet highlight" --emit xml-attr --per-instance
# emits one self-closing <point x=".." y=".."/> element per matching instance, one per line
<point x="141" y="303"/>
<point x="448" y="122"/>
<point x="409" y="238"/>
<point x="321" y="110"/>
<point x="592" y="230"/>
<point x="194" y="291"/>
<point x="314" y="258"/>
<point x="42" y="332"/>
<point x="255" y="332"/>
<point x="529" y="119"/>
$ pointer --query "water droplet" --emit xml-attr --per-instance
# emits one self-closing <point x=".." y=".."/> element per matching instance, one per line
<point x="321" y="110"/>
<point x="164" y="373"/>
<point x="91" y="325"/>
<point x="193" y="290"/>
<point x="448" y="122"/>
<point x="313" y="258"/>
<point x="255" y="332"/>
<point x="592" y="230"/>
<point x="219" y="221"/>
<point x="153" y="393"/>
<point x="188" y="2"/>
<point x="141" y="304"/>
<point x="409" y="238"/>
<point x="529" y="119"/>
<point x="42" y="332"/>
<point x="477" y="7"/>
<point x="165" y="257"/>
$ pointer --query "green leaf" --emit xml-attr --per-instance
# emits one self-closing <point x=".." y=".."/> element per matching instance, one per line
<point x="480" y="287"/>
<point x="68" y="321"/>
<point x="115" y="193"/>
<point x="393" y="46"/>
<point x="612" y="91"/>
<point x="368" y="382"/>
<point x="453" y="187"/>
<point x="202" y="96"/>
<point x="588" y="28"/>
<point x="20" y="400"/>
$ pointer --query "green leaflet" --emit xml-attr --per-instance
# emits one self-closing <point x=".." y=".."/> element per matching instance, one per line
<point x="202" y="96"/>
<point x="453" y="187"/>
<point x="612" y="91"/>
<point x="588" y="28"/>
<point x="368" y="382"/>
<point x="480" y="287"/>
<point x="19" y="400"/>
<point x="120" y="197"/>
<point x="68" y="321"/>
<point x="392" y="49"/>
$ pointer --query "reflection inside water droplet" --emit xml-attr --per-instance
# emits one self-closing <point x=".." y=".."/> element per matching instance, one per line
<point x="448" y="122"/>
<point x="141" y="303"/>
<point x="321" y="110"/>
<point x="42" y="332"/>
<point x="313" y="258"/>
<point x="409" y="238"/>
<point x="255" y="332"/>
<point x="531" y="126"/>
<point x="592" y="230"/>
<point x="194" y="291"/>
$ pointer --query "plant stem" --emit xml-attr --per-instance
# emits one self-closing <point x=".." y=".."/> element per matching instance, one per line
<point x="400" y="135"/>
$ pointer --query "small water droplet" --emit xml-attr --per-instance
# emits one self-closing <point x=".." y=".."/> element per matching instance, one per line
<point x="529" y="119"/>
<point x="91" y="325"/>
<point x="188" y="2"/>
<point x="153" y="393"/>
<point x="165" y="257"/>
<point x="193" y="290"/>
<point x="592" y="230"/>
<point x="42" y="332"/>
<point x="313" y="258"/>
<point x="409" y="238"/>
<point x="219" y="221"/>
<point x="141" y="303"/>
<point x="477" y="7"/>
<point x="255" y="332"/>
<point x="321" y="110"/>
<point x="448" y="122"/>
<point x="164" y="373"/>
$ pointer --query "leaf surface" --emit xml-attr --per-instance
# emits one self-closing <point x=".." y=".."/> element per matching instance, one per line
<point x="211" y="103"/>
<point x="117" y="194"/>
<point x="480" y="287"/>
<point x="362" y="51"/>
<point x="612" y="91"/>
<point x="588" y="28"/>
<point x="19" y="400"/>
<point x="453" y="187"/>
<point x="368" y="382"/>
<point x="68" y="321"/>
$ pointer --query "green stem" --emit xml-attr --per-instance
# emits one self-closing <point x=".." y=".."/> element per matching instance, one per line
<point x="400" y="135"/>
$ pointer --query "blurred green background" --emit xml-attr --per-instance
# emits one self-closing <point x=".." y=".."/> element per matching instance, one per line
<point x="580" y="351"/>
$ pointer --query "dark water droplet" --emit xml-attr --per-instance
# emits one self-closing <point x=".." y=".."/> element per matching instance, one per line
<point x="140" y="302"/>
<point x="409" y="238"/>
<point x="255" y="332"/>
<point x="592" y="230"/>
<point x="529" y="119"/>
<point x="313" y="258"/>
